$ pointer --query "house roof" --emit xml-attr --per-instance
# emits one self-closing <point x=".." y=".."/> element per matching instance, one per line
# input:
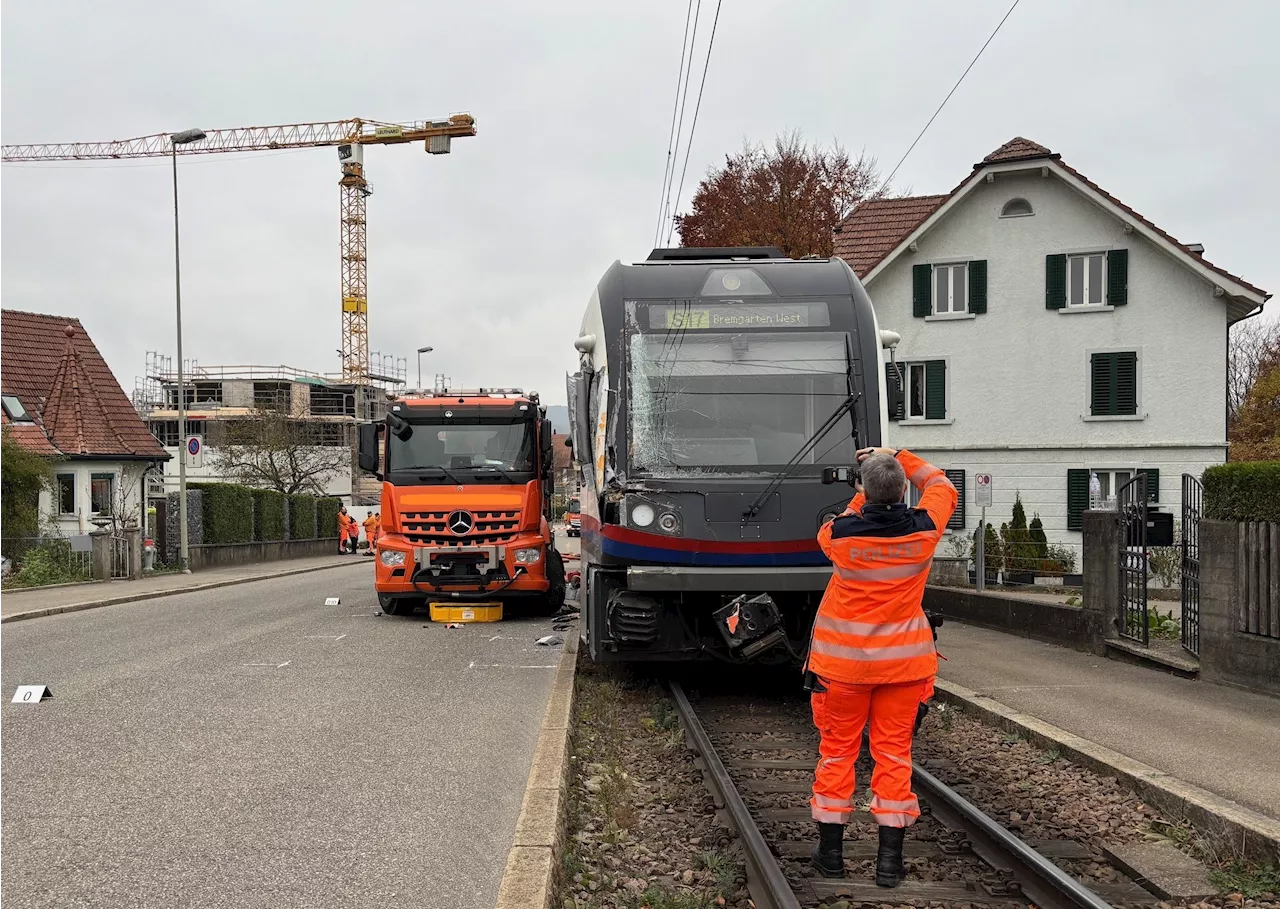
<point x="877" y="227"/>
<point x="56" y="371"/>
<point x="562" y="454"/>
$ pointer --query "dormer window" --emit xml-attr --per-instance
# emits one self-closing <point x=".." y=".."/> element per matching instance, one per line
<point x="1016" y="208"/>
<point x="14" y="410"/>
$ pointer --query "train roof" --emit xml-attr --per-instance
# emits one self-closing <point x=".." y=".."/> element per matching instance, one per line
<point x="683" y="273"/>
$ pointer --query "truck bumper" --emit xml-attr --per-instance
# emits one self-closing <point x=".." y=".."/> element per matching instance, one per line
<point x="461" y="572"/>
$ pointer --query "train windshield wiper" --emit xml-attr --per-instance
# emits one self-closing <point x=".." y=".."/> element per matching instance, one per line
<point x="795" y="463"/>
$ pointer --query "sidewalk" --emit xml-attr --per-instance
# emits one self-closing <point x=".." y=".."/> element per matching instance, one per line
<point x="35" y="602"/>
<point x="1221" y="739"/>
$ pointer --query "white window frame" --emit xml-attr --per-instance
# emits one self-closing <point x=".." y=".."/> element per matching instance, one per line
<point x="952" y="268"/>
<point x="1084" y="295"/>
<point x="1017" y="214"/>
<point x="906" y="392"/>
<point x="75" y="493"/>
<point x="1111" y="479"/>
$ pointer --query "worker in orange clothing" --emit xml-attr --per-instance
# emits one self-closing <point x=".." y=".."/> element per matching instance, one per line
<point x="345" y="521"/>
<point x="353" y="535"/>
<point x="372" y="527"/>
<point x="872" y="654"/>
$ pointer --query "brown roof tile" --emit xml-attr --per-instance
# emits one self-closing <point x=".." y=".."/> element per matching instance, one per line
<point x="62" y="379"/>
<point x="875" y="228"/>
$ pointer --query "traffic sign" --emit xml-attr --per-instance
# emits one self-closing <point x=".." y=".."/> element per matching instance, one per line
<point x="982" y="490"/>
<point x="195" y="451"/>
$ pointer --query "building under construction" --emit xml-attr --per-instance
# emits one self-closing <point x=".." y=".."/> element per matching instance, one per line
<point x="323" y="409"/>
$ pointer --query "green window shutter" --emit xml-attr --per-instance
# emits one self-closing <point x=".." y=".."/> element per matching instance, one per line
<point x="957" y="480"/>
<point x="1077" y="498"/>
<point x="1153" y="483"/>
<point x="921" y="290"/>
<point x="978" y="286"/>
<point x="1118" y="277"/>
<point x="1125" y="373"/>
<point x="893" y="383"/>
<point x="1055" y="281"/>
<point x="935" y="390"/>
<point x="1102" y="385"/>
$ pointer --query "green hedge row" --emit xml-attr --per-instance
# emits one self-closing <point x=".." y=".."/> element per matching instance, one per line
<point x="302" y="517"/>
<point x="1243" y="491"/>
<point x="327" y="517"/>
<point x="227" y="512"/>
<point x="268" y="514"/>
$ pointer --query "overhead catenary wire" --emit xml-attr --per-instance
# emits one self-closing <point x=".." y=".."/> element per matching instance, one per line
<point x="696" y="108"/>
<point x="668" y="170"/>
<point x="990" y="38"/>
<point x="684" y="99"/>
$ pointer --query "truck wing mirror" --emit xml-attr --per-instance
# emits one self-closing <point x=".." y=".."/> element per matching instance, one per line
<point x="368" y="451"/>
<point x="568" y="442"/>
<point x="400" y="426"/>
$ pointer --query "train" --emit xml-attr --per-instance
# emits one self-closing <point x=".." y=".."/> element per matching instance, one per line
<point x="714" y="388"/>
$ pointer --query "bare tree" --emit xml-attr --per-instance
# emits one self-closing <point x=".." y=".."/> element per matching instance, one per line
<point x="1250" y="342"/>
<point x="272" y="450"/>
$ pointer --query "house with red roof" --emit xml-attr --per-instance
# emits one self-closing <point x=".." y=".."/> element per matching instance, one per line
<point x="1051" y="334"/>
<point x="62" y="401"/>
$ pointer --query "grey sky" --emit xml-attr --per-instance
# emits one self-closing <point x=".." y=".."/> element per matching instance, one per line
<point x="490" y="253"/>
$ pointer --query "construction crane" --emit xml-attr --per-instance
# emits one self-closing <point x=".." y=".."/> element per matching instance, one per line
<point x="349" y="136"/>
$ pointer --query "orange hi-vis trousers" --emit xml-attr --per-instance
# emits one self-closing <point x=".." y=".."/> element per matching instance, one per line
<point x="840" y="713"/>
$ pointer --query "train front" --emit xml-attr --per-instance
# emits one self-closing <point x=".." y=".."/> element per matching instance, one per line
<point x="719" y="393"/>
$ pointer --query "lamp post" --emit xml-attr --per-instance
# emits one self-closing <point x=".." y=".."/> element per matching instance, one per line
<point x="184" y="555"/>
<point x="421" y="351"/>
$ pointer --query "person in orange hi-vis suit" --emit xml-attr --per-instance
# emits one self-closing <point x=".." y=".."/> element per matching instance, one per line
<point x="872" y="655"/>
<point x="344" y="527"/>
<point x="372" y="527"/>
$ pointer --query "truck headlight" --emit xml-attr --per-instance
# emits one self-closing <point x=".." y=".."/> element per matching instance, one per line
<point x="528" y="556"/>
<point x="391" y="557"/>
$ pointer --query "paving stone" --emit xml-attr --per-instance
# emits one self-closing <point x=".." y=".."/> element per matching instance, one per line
<point x="1163" y="869"/>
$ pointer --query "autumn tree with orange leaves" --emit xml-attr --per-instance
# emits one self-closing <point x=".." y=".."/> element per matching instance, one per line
<point x="790" y="196"/>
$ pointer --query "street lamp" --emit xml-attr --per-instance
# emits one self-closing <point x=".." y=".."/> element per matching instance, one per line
<point x="421" y="351"/>
<point x="185" y="137"/>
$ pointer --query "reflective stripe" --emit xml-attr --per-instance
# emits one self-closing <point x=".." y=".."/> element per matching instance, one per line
<point x="885" y="573"/>
<point x="936" y="481"/>
<point x="918" y="475"/>
<point x="870" y="630"/>
<point x="895" y="820"/>
<point x="826" y="802"/>
<point x="897" y="760"/>
<point x="835" y="817"/>
<point x="900" y="652"/>
<point x="879" y="804"/>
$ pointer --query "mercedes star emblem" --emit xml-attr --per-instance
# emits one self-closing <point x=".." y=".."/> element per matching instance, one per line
<point x="461" y="522"/>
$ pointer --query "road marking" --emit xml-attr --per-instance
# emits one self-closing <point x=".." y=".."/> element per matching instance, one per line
<point x="325" y="637"/>
<point x="284" y="664"/>
<point x="509" y="666"/>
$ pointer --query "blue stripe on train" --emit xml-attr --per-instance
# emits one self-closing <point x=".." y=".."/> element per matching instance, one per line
<point x="636" y="553"/>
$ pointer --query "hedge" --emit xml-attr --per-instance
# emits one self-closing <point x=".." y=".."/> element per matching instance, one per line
<point x="302" y="517"/>
<point x="1243" y="491"/>
<point x="327" y="517"/>
<point x="228" y="512"/>
<point x="268" y="515"/>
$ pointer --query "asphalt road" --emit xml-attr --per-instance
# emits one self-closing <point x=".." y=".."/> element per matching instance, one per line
<point x="251" y="746"/>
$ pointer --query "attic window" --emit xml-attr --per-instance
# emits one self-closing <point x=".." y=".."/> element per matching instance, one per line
<point x="1016" y="208"/>
<point x="14" y="410"/>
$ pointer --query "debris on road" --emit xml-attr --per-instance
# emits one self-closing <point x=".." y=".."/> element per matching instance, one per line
<point x="550" y="640"/>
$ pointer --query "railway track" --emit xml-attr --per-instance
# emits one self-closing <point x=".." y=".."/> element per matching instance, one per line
<point x="758" y="757"/>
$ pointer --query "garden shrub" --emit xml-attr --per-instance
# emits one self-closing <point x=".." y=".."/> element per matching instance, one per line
<point x="268" y="515"/>
<point x="1243" y="491"/>
<point x="227" y="512"/>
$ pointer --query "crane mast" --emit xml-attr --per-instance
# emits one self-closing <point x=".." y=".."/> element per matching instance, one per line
<point x="349" y="136"/>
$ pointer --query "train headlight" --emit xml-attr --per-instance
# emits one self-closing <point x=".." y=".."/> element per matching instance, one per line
<point x="668" y="522"/>
<point x="642" y="514"/>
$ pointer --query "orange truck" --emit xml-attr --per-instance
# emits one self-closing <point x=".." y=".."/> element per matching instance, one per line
<point x="573" y="518"/>
<point x="467" y="480"/>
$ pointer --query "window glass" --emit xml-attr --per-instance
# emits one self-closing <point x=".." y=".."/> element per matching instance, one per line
<point x="915" y="379"/>
<point x="942" y="276"/>
<point x="959" y="288"/>
<point x="1075" y="278"/>
<point x="13" y="407"/>
<point x="101" y="489"/>
<point x="66" y="493"/>
<point x="1095" y="279"/>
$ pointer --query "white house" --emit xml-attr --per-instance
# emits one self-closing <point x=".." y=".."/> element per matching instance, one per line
<point x="62" y="401"/>
<point x="1049" y="331"/>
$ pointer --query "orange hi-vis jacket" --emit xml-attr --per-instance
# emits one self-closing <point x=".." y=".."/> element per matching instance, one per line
<point x="371" y="527"/>
<point x="871" y="627"/>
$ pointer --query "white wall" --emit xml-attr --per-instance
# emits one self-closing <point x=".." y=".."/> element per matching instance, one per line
<point x="127" y="482"/>
<point x="1019" y="373"/>
<point x="339" y="485"/>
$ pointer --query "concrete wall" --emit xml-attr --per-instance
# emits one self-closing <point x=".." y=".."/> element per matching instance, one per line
<point x="1072" y="626"/>
<point x="1227" y="654"/>
<point x="1017" y="376"/>
<point x="217" y="556"/>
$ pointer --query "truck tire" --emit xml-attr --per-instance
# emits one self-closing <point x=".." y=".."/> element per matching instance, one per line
<point x="554" y="599"/>
<point x="394" y="606"/>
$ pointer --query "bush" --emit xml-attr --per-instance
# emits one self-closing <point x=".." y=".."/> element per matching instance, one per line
<point x="228" y="512"/>
<point x="1019" y="550"/>
<point x="268" y="515"/>
<point x="1039" y="542"/>
<point x="992" y="553"/>
<point x="327" y="517"/>
<point x="302" y="517"/>
<point x="50" y="562"/>
<point x="1243" y="491"/>
<point x="1058" y="560"/>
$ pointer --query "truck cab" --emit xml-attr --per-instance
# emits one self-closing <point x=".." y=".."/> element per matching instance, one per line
<point x="573" y="518"/>
<point x="466" y="500"/>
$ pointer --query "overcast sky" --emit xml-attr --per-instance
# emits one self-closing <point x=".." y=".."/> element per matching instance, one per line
<point x="489" y="254"/>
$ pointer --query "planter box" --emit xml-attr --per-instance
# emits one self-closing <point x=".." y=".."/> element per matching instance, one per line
<point x="992" y="575"/>
<point x="1073" y="580"/>
<point x="1025" y="578"/>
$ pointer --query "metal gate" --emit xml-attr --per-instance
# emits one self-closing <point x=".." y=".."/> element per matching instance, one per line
<point x="1131" y="501"/>
<point x="1192" y="511"/>
<point x="121" y="552"/>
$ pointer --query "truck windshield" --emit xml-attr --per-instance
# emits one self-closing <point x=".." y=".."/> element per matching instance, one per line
<point x="575" y="507"/>
<point x="464" y="446"/>
<point x="735" y="403"/>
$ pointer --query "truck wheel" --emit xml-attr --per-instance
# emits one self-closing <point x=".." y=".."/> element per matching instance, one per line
<point x="554" y="599"/>
<point x="393" y="606"/>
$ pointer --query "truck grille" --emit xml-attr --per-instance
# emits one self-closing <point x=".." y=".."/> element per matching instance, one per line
<point x="430" y="528"/>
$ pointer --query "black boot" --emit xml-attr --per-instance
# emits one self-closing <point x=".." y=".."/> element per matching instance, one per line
<point x="889" y="868"/>
<point x="828" y="855"/>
